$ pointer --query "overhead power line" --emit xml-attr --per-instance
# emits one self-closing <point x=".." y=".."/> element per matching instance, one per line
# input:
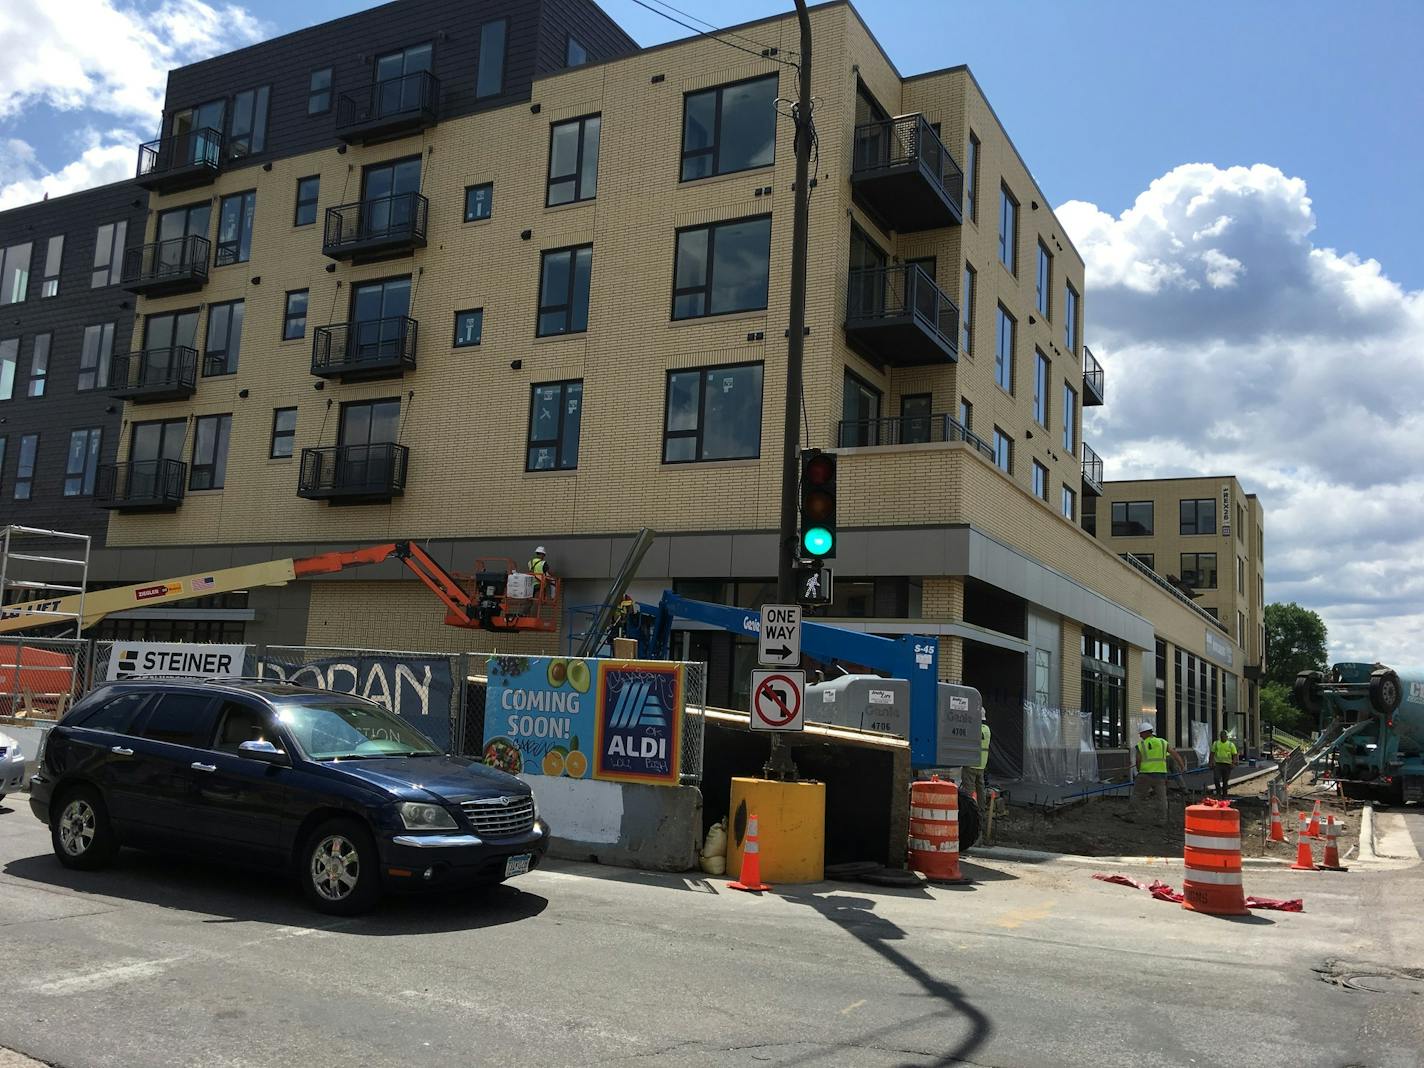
<point x="713" y="36"/>
<point x="730" y="33"/>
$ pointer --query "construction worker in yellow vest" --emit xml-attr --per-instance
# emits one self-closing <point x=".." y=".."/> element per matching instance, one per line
<point x="538" y="567"/>
<point x="1223" y="759"/>
<point x="1152" y="756"/>
<point x="974" y="777"/>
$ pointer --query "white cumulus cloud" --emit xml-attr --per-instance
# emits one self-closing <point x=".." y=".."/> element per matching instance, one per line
<point x="1234" y="345"/>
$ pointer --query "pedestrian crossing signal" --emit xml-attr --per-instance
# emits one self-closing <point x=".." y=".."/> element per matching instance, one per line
<point x="814" y="585"/>
<point x="818" y="503"/>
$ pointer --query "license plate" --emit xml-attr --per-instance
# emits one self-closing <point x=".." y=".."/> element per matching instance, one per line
<point x="517" y="865"/>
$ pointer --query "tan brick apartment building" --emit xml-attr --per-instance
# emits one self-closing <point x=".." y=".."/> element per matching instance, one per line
<point x="492" y="276"/>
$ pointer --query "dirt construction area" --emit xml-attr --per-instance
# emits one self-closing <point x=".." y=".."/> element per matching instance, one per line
<point x="1112" y="826"/>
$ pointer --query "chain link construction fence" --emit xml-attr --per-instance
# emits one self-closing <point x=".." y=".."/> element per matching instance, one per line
<point x="41" y="677"/>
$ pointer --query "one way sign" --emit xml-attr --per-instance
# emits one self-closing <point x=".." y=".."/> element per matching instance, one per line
<point x="780" y="642"/>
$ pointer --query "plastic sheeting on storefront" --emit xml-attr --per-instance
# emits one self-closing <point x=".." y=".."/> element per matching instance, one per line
<point x="1201" y="741"/>
<point x="1058" y="746"/>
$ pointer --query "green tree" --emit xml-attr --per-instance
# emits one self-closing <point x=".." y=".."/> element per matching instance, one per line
<point x="1295" y="642"/>
<point x="1278" y="708"/>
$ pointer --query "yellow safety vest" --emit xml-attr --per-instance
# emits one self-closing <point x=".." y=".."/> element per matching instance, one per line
<point x="1223" y="752"/>
<point x="536" y="566"/>
<point x="983" y="747"/>
<point x="1154" y="756"/>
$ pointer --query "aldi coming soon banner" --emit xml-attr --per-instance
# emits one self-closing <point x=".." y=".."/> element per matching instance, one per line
<point x="615" y="720"/>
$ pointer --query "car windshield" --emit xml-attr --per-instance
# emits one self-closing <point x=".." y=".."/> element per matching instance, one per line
<point x="350" y="729"/>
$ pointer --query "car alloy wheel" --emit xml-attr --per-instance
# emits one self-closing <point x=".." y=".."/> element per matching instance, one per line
<point x="335" y="867"/>
<point x="77" y="827"/>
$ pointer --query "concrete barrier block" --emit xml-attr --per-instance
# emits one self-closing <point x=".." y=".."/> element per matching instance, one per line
<point x="625" y="824"/>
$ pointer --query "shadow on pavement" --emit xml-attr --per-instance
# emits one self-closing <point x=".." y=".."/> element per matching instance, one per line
<point x="238" y="895"/>
<point x="854" y="915"/>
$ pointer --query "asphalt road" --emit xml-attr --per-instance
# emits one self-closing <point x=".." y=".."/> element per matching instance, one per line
<point x="160" y="962"/>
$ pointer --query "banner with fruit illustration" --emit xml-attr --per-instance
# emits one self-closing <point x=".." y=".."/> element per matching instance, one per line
<point x="539" y="715"/>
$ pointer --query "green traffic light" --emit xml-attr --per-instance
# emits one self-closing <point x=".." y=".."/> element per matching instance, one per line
<point x="817" y="541"/>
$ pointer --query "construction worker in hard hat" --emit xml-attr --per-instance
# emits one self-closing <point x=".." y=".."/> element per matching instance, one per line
<point x="974" y="777"/>
<point x="624" y="623"/>
<point x="1223" y="759"/>
<point x="1152" y="756"/>
<point x="539" y="567"/>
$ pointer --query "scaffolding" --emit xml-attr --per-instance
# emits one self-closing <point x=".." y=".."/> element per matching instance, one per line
<point x="44" y="555"/>
<point x="41" y="677"/>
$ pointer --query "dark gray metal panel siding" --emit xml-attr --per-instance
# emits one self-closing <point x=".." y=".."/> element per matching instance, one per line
<point x="63" y="407"/>
<point x="600" y="35"/>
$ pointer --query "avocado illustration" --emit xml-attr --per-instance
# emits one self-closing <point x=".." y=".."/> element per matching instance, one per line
<point x="579" y="675"/>
<point x="558" y="672"/>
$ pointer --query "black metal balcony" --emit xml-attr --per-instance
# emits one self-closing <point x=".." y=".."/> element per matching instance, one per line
<point x="154" y="374"/>
<point x="898" y="316"/>
<point x="141" y="485"/>
<point x="388" y="109"/>
<point x="178" y="265"/>
<point x="903" y="174"/>
<point x="182" y="161"/>
<point x="376" y="229"/>
<point x="353" y="474"/>
<point x="1092" y="472"/>
<point x="1092" y="379"/>
<point x="369" y="349"/>
<point x="908" y="430"/>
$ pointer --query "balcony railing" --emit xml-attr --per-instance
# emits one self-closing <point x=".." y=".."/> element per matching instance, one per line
<point x="178" y="265"/>
<point x="386" y="109"/>
<point x="182" y="161"/>
<point x="367" y="349"/>
<point x="1138" y="565"/>
<point x="377" y="228"/>
<point x="353" y="473"/>
<point x="903" y="173"/>
<point x="1092" y="472"/>
<point x="908" y="430"/>
<point x="141" y="485"/>
<point x="154" y="374"/>
<point x="1092" y="379"/>
<point x="898" y="316"/>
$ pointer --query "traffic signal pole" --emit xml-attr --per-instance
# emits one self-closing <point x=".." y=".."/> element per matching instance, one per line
<point x="796" y="332"/>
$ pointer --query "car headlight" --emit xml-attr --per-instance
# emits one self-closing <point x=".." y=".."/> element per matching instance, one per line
<point x="418" y="816"/>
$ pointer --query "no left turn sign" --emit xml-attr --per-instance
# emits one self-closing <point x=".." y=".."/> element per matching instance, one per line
<point x="778" y="700"/>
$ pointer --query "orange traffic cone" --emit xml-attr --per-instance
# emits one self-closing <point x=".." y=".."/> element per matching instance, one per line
<point x="1331" y="862"/>
<point x="1278" y="833"/>
<point x="751" y="862"/>
<point x="1304" y="859"/>
<point x="1314" y="829"/>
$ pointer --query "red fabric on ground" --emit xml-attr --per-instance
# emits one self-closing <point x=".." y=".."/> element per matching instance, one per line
<point x="1164" y="892"/>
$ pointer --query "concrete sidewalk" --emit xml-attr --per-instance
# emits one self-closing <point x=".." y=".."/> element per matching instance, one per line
<point x="1020" y="791"/>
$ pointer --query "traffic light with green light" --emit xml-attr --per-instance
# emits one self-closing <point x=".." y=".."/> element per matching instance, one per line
<point x="818" y="504"/>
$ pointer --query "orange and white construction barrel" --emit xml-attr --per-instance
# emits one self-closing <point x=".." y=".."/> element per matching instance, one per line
<point x="934" y="829"/>
<point x="1212" y="856"/>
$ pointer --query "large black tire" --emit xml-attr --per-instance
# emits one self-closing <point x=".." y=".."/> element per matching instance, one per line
<point x="80" y="831"/>
<point x="339" y="868"/>
<point x="1386" y="693"/>
<point x="968" y="822"/>
<point x="1307" y="691"/>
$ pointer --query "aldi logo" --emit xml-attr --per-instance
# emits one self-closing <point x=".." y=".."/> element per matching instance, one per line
<point x="638" y="730"/>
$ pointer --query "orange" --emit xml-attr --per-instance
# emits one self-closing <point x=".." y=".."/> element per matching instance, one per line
<point x="577" y="764"/>
<point x="554" y="762"/>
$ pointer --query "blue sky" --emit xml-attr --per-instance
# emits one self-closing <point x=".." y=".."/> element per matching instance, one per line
<point x="1242" y="178"/>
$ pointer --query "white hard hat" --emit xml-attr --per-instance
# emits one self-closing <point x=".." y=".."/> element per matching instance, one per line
<point x="539" y="549"/>
<point x="1146" y="726"/>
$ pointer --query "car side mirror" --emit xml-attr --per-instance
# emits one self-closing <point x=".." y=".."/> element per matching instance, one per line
<point x="266" y="752"/>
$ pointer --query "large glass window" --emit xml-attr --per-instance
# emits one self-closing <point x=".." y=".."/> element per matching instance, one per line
<point x="220" y="352"/>
<point x="1044" y="289"/>
<point x="1104" y="691"/>
<point x="235" y="228"/>
<point x="1198" y="516"/>
<point x="489" y="81"/>
<point x="729" y="128"/>
<point x="319" y="92"/>
<point x="555" y="412"/>
<point x="284" y="432"/>
<point x="1008" y="230"/>
<point x="308" y="190"/>
<point x="971" y="179"/>
<point x="573" y="160"/>
<point x="54" y="260"/>
<point x="1040" y="481"/>
<point x="94" y="356"/>
<point x="1070" y="318"/>
<point x="966" y="319"/>
<point x="210" y="437"/>
<point x="25" y="470"/>
<point x="860" y="413"/>
<point x="575" y="54"/>
<point x="248" y="132"/>
<point x="564" y="278"/>
<point x="1070" y="417"/>
<point x="713" y="413"/>
<point x="9" y="365"/>
<point x="39" y="365"/>
<point x="108" y="254"/>
<point x="1199" y="570"/>
<point x="400" y="89"/>
<point x="915" y="412"/>
<point x="1041" y="370"/>
<point x="1132" y="519"/>
<point x="1004" y="350"/>
<point x="15" y="272"/>
<point x="82" y="462"/>
<point x="722" y="268"/>
<point x="1069" y="503"/>
<point x="294" y="316"/>
<point x="1003" y="452"/>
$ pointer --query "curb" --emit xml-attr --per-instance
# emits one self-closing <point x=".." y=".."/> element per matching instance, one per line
<point x="1367" y="834"/>
<point x="1035" y="856"/>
